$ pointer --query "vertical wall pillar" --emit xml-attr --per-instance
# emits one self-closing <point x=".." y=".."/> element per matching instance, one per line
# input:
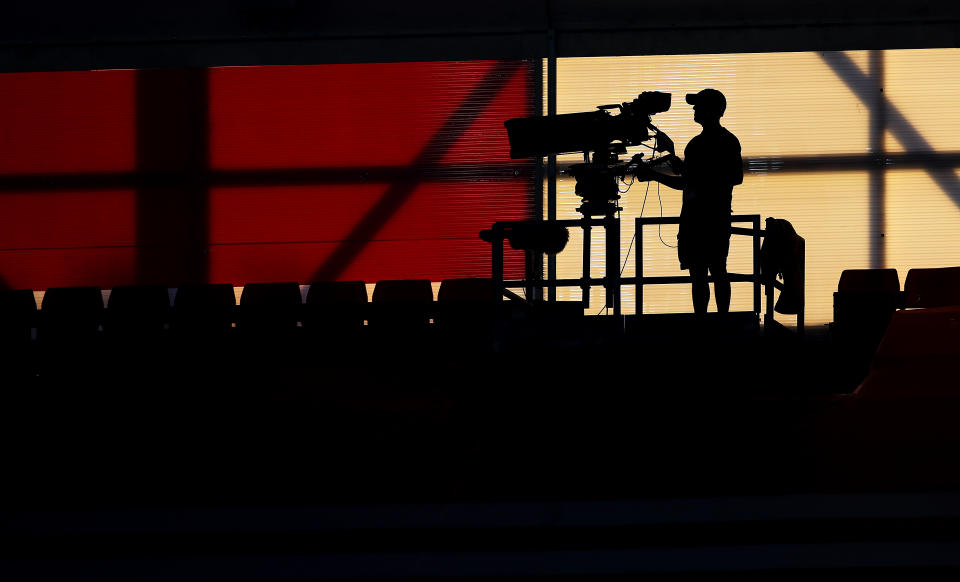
<point x="552" y="160"/>
<point x="172" y="158"/>
<point x="878" y="127"/>
<point x="612" y="248"/>
<point x="536" y="262"/>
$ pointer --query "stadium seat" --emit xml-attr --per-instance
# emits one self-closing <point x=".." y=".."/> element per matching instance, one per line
<point x="269" y="308"/>
<point x="465" y="302"/>
<point x="466" y="291"/>
<point x="917" y="357"/>
<point x="402" y="304"/>
<point x="335" y="305"/>
<point x="70" y="314"/>
<point x="866" y="298"/>
<point x="137" y="311"/>
<point x="863" y="304"/>
<point x="926" y="288"/>
<point x="465" y="314"/>
<point x="869" y="280"/>
<point x="204" y="310"/>
<point x="18" y="315"/>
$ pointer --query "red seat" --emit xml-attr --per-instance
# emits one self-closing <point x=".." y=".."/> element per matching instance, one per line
<point x="869" y="280"/>
<point x="864" y="301"/>
<point x="335" y="307"/>
<point x="932" y="287"/>
<point x="402" y="304"/>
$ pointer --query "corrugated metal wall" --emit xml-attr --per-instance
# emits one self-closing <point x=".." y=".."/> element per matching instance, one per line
<point x="866" y="176"/>
<point x="240" y="174"/>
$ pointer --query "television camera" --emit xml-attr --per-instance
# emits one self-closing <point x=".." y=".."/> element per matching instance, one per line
<point x="601" y="132"/>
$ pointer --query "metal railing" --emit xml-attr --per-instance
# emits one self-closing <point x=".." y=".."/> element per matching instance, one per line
<point x="758" y="279"/>
<point x="755" y="231"/>
<point x="613" y="281"/>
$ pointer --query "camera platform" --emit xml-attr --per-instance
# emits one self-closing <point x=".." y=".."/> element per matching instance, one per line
<point x="764" y="284"/>
<point x="612" y="282"/>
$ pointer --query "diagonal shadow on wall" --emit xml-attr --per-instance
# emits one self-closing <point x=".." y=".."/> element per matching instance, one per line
<point x="402" y="188"/>
<point x="896" y="122"/>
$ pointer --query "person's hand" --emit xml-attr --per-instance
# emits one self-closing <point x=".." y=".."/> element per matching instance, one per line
<point x="643" y="173"/>
<point x="664" y="143"/>
<point x="676" y="164"/>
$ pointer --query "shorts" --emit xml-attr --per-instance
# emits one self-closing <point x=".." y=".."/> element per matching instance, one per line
<point x="704" y="242"/>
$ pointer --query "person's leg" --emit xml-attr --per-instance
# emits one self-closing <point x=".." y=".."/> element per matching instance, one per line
<point x="701" y="289"/>
<point x="721" y="287"/>
<point x="718" y="267"/>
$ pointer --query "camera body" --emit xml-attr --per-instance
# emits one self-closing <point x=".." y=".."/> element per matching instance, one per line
<point x="585" y="132"/>
<point x="600" y="132"/>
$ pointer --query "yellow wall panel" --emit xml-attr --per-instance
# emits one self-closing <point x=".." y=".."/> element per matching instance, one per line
<point x="923" y="86"/>
<point x="806" y="111"/>
<point x="922" y="222"/>
<point x="777" y="103"/>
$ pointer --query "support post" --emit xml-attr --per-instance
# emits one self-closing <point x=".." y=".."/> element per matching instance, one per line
<point x="769" y="280"/>
<point x="585" y="280"/>
<point x="536" y="261"/>
<point x="552" y="160"/>
<point x="639" y="254"/>
<point x="530" y="276"/>
<point x="803" y="286"/>
<point x="497" y="262"/>
<point x="612" y="231"/>
<point x="756" y="265"/>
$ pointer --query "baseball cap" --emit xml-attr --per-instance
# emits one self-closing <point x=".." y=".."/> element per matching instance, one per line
<point x="710" y="98"/>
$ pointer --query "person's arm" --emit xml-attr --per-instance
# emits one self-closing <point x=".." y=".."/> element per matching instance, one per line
<point x="730" y="162"/>
<point x="675" y="182"/>
<point x="645" y="173"/>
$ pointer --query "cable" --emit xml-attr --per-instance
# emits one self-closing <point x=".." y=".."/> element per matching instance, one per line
<point x="628" y="254"/>
<point x="633" y="178"/>
<point x="644" y="205"/>
<point x="659" y="199"/>
<point x="625" y="261"/>
<point x="632" y="240"/>
<point x="660" y="225"/>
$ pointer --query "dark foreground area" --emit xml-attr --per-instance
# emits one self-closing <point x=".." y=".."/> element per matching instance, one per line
<point x="593" y="409"/>
<point x="546" y="415"/>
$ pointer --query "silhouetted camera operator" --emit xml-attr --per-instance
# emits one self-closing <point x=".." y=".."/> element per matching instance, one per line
<point x="711" y="167"/>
